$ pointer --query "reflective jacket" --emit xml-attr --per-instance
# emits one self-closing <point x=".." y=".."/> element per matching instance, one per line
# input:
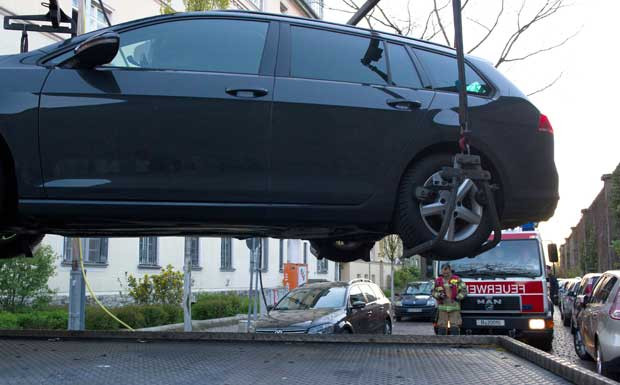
<point x="458" y="291"/>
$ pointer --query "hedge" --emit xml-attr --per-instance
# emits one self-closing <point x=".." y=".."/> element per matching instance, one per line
<point x="211" y="305"/>
<point x="207" y="306"/>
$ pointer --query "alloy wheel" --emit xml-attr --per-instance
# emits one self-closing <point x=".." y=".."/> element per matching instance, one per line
<point x="467" y="213"/>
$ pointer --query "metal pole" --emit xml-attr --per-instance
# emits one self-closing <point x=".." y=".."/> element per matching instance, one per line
<point x="462" y="84"/>
<point x="247" y="329"/>
<point x="187" y="293"/>
<point x="362" y="12"/>
<point x="257" y="256"/>
<point x="77" y="291"/>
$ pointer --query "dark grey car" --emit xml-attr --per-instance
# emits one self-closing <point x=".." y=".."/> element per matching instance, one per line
<point x="280" y="127"/>
<point x="358" y="306"/>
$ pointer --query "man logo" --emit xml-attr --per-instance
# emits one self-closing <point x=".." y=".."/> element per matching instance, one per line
<point x="489" y="303"/>
<point x="278" y="331"/>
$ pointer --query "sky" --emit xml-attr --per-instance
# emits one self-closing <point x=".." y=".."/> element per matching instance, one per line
<point x="583" y="105"/>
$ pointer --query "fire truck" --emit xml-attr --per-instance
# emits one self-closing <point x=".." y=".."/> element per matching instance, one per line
<point x="507" y="290"/>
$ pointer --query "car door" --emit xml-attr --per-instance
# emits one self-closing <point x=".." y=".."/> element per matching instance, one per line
<point x="589" y="314"/>
<point x="375" y="319"/>
<point x="600" y="310"/>
<point x="359" y="318"/>
<point x="181" y="114"/>
<point x="338" y="118"/>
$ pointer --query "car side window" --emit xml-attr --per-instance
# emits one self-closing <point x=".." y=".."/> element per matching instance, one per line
<point x="377" y="291"/>
<point x="327" y="55"/>
<point x="356" y="295"/>
<point x="404" y="73"/>
<point x="370" y="295"/>
<point x="218" y="45"/>
<point x="596" y="292"/>
<point x="444" y="74"/>
<point x="606" y="289"/>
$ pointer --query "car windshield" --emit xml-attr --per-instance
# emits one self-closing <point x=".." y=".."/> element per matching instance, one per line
<point x="313" y="298"/>
<point x="512" y="258"/>
<point x="419" y="288"/>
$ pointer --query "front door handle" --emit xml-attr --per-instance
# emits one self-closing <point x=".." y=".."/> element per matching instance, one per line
<point x="247" y="92"/>
<point x="404" y="104"/>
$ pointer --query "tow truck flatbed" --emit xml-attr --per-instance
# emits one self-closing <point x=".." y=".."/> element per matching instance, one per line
<point x="31" y="357"/>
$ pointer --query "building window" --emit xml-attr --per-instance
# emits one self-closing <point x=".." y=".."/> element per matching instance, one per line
<point x="317" y="6"/>
<point x="148" y="251"/>
<point x="365" y="276"/>
<point x="372" y="277"/>
<point x="322" y="266"/>
<point x="96" y="18"/>
<point x="94" y="250"/>
<point x="226" y="254"/>
<point x="281" y="258"/>
<point x="359" y="276"/>
<point x="258" y="4"/>
<point x="305" y="253"/>
<point x="192" y="249"/>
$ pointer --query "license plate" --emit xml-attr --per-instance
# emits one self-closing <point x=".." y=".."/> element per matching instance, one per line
<point x="414" y="310"/>
<point x="490" y="322"/>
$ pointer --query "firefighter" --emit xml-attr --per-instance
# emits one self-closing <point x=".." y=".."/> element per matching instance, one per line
<point x="449" y="290"/>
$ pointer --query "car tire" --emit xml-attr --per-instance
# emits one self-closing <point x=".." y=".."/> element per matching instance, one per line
<point x="414" y="229"/>
<point x="602" y="367"/>
<point x="387" y="327"/>
<point x="566" y="320"/>
<point x="342" y="251"/>
<point x="580" y="348"/>
<point x="16" y="245"/>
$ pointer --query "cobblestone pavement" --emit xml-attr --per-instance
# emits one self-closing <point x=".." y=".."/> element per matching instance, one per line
<point x="563" y="343"/>
<point x="106" y="362"/>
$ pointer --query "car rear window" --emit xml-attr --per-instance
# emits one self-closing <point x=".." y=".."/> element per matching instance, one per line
<point x="327" y="55"/>
<point x="444" y="74"/>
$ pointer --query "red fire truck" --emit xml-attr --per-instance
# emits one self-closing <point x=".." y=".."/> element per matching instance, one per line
<point x="507" y="290"/>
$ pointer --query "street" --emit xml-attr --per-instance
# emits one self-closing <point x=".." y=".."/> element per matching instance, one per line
<point x="562" y="339"/>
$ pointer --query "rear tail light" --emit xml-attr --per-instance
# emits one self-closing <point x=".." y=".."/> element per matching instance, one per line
<point x="544" y="125"/>
<point x="614" y="311"/>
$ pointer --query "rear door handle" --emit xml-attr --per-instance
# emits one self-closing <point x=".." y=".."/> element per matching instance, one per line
<point x="404" y="104"/>
<point x="247" y="92"/>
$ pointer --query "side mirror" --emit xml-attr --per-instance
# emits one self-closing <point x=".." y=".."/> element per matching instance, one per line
<point x="97" y="50"/>
<point x="358" y="305"/>
<point x="585" y="301"/>
<point x="270" y="308"/>
<point x="552" y="251"/>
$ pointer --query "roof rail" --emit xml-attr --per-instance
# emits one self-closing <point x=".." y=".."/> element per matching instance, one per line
<point x="356" y="280"/>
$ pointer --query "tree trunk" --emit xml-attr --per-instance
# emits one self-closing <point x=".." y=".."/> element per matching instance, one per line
<point x="392" y="280"/>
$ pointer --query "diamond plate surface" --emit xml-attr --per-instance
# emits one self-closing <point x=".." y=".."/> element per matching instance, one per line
<point x="97" y="362"/>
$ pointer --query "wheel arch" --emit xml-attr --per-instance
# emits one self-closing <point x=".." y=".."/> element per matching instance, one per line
<point x="489" y="162"/>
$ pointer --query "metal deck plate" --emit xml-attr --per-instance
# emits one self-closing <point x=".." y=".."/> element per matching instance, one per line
<point x="208" y="362"/>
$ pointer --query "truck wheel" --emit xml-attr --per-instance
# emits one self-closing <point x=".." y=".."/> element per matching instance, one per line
<point x="545" y="343"/>
<point x="418" y="222"/>
<point x="15" y="245"/>
<point x="341" y="251"/>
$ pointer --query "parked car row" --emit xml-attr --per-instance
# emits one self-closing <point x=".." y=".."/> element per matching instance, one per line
<point x="591" y="307"/>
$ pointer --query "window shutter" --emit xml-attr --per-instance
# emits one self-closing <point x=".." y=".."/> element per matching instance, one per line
<point x="103" y="256"/>
<point x="68" y="249"/>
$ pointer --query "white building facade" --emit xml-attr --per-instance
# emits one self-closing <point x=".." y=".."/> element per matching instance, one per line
<point x="218" y="264"/>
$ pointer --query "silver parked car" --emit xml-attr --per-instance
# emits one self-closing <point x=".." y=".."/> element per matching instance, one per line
<point x="598" y="334"/>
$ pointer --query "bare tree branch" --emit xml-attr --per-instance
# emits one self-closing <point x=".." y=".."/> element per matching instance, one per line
<point x="548" y="9"/>
<point x="543" y="49"/>
<point x="489" y="30"/>
<point x="547" y="86"/>
<point x="443" y="30"/>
